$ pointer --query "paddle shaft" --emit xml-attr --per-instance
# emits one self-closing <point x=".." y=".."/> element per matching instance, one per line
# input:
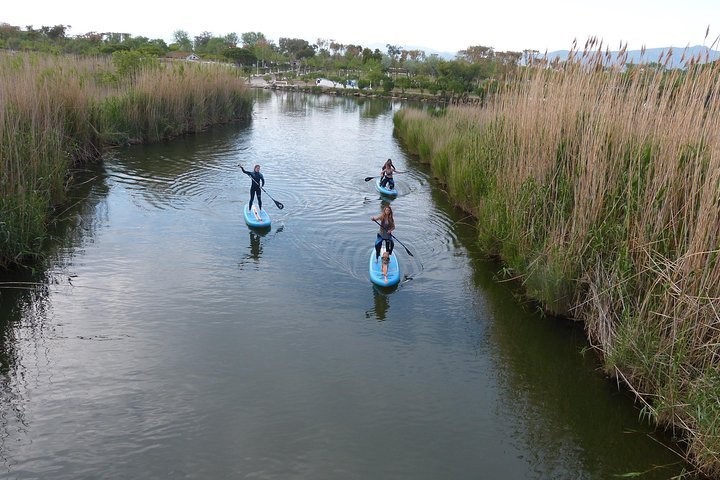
<point x="367" y="179"/>
<point x="394" y="237"/>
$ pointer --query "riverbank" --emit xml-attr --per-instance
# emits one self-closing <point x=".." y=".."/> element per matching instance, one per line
<point x="598" y="190"/>
<point x="298" y="85"/>
<point x="61" y="111"/>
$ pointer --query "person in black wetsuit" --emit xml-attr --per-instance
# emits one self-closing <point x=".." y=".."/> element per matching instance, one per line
<point x="257" y="181"/>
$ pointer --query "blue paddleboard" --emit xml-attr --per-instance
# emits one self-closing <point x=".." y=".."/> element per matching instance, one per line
<point x="251" y="217"/>
<point x="376" y="276"/>
<point x="385" y="191"/>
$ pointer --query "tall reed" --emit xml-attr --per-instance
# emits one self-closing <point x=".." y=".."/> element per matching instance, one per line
<point x="56" y="111"/>
<point x="599" y="185"/>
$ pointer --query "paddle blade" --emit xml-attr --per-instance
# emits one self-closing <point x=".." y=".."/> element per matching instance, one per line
<point x="367" y="179"/>
<point x="279" y="205"/>
<point x="408" y="251"/>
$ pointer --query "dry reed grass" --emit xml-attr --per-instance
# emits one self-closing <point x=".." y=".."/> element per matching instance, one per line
<point x="600" y="185"/>
<point x="55" y="111"/>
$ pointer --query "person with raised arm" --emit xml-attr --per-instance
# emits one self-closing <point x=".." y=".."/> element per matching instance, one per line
<point x="257" y="182"/>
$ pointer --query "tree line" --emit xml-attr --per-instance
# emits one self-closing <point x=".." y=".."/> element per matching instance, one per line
<point x="476" y="69"/>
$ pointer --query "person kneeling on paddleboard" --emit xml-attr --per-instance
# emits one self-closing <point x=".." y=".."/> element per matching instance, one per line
<point x="386" y="175"/>
<point x="257" y="181"/>
<point x="387" y="225"/>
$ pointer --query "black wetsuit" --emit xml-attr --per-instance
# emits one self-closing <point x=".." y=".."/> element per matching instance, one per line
<point x="257" y="181"/>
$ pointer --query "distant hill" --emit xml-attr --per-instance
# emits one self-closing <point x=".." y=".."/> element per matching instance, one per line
<point x="652" y="55"/>
<point x="428" y="51"/>
<point x="443" y="55"/>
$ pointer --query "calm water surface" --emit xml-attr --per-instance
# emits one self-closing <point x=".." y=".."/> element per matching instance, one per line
<point x="168" y="340"/>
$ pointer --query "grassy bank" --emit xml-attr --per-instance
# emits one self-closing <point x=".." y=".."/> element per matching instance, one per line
<point x="600" y="188"/>
<point x="57" y="111"/>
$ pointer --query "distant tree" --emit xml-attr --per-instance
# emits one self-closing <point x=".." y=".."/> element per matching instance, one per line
<point x="375" y="75"/>
<point x="368" y="55"/>
<point x="388" y="84"/>
<point x="182" y="40"/>
<point x="160" y="44"/>
<point x="54" y="33"/>
<point x="322" y="44"/>
<point x="506" y="62"/>
<point x="459" y="76"/>
<point x="7" y="30"/>
<point x="92" y="37"/>
<point x="266" y="52"/>
<point x="529" y="56"/>
<point x="156" y="47"/>
<point x="432" y="63"/>
<point x="414" y="55"/>
<point x="231" y="40"/>
<point x="116" y="37"/>
<point x="251" y="39"/>
<point x="393" y="50"/>
<point x="201" y="41"/>
<point x="476" y="54"/>
<point x="128" y="63"/>
<point x="353" y="52"/>
<point x="296" y="48"/>
<point x="215" y="46"/>
<point x="336" y="48"/>
<point x="31" y="32"/>
<point x="241" y="56"/>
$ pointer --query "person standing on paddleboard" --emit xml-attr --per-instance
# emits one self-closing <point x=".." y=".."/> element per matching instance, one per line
<point x="257" y="181"/>
<point x="387" y="225"/>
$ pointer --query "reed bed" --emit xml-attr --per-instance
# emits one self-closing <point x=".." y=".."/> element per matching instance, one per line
<point x="599" y="186"/>
<point x="58" y="111"/>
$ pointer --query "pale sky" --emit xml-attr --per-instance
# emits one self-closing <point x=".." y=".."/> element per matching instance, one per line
<point x="446" y="26"/>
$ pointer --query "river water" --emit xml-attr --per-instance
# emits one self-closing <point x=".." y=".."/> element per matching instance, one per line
<point x="165" y="339"/>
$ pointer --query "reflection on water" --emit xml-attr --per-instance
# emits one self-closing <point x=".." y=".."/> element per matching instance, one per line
<point x="255" y="248"/>
<point x="168" y="339"/>
<point x="381" y="303"/>
<point x="291" y="103"/>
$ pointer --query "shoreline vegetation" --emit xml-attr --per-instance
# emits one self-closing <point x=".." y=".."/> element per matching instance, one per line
<point x="411" y="94"/>
<point x="597" y="185"/>
<point x="58" y="111"/>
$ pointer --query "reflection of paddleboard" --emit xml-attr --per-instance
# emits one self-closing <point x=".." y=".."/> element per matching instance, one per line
<point x="385" y="191"/>
<point x="256" y="217"/>
<point x="376" y="276"/>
